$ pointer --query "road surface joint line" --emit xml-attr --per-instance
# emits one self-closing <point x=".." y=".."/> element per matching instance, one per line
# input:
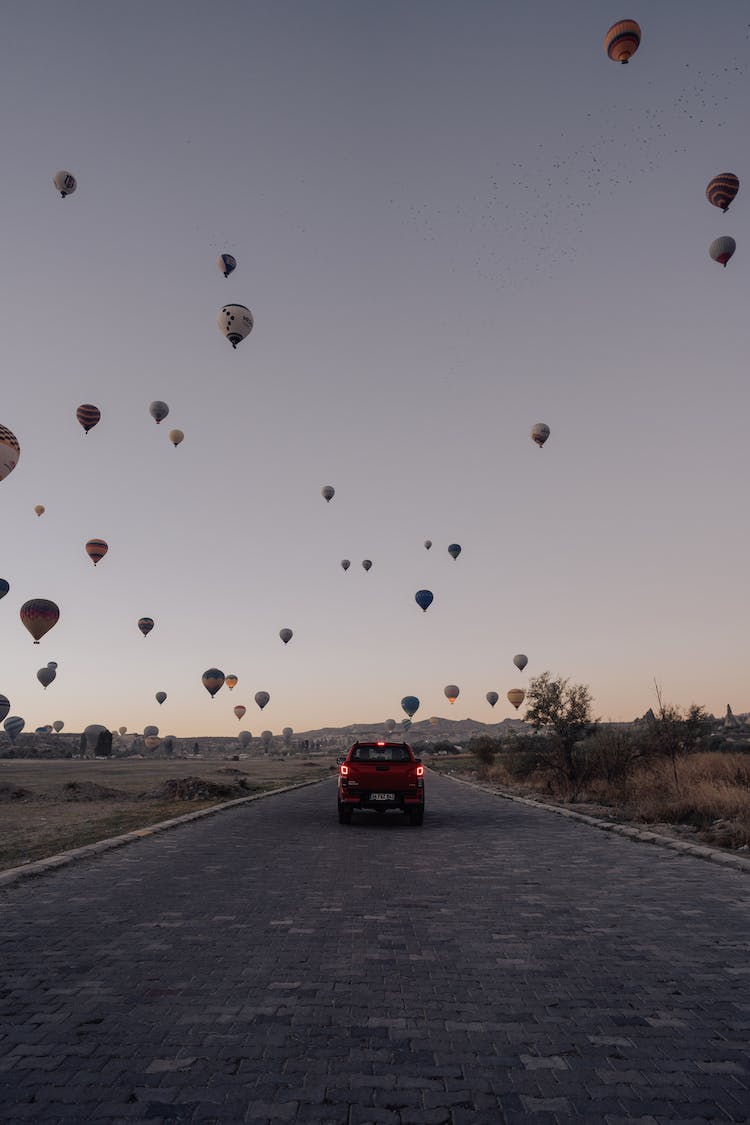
<point x="52" y="862"/>
<point x="698" y="851"/>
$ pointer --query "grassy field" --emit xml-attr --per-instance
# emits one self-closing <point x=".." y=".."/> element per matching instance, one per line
<point x="53" y="805"/>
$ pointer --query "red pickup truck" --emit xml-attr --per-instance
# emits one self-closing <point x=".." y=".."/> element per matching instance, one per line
<point x="378" y="776"/>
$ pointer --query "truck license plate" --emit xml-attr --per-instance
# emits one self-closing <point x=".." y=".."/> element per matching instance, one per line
<point x="382" y="796"/>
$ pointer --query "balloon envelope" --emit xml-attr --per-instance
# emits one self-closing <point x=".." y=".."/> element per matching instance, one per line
<point x="492" y="698"/>
<point x="451" y="693"/>
<point x="213" y="680"/>
<point x="39" y="509"/>
<point x="4" y="706"/>
<point x="176" y="437"/>
<point x="520" y="661"/>
<point x="4" y="587"/>
<point x="160" y="697"/>
<point x="46" y="676"/>
<point x="516" y="696"/>
<point x="454" y="550"/>
<point x="328" y="492"/>
<point x="13" y="726"/>
<point x="96" y="549"/>
<point x="145" y="625"/>
<point x="262" y="698"/>
<point x="539" y="433"/>
<point x="286" y="635"/>
<point x="622" y="40"/>
<point x="58" y="725"/>
<point x="150" y="730"/>
<point x="722" y="190"/>
<point x="227" y="263"/>
<point x="722" y="249"/>
<point x="239" y="710"/>
<point x="235" y="322"/>
<point x="366" y="563"/>
<point x="244" y="738"/>
<point x="151" y="742"/>
<point x="88" y="415"/>
<point x="65" y="182"/>
<point x="230" y="681"/>
<point x="158" y="410"/>
<point x="10" y="451"/>
<point x="410" y="704"/>
<point x="428" y="544"/>
<point x="345" y="564"/>
<point x="423" y="598"/>
<point x="39" y="615"/>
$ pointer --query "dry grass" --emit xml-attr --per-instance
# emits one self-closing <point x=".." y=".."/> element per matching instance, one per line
<point x="48" y="821"/>
<point x="712" y="798"/>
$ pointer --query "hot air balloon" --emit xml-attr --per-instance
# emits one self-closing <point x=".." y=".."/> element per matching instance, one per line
<point x="286" y="734"/>
<point x="4" y="587"/>
<point x="39" y="615"/>
<point x="516" y="696"/>
<point x="451" y="693"/>
<point x="145" y="625"/>
<point x="492" y="698"/>
<point x="4" y="706"/>
<point x="88" y="415"/>
<point x="239" y="711"/>
<point x="58" y="725"/>
<point x="328" y="492"/>
<point x="345" y="564"/>
<point x="65" y="182"/>
<point x="427" y="544"/>
<point x="213" y="679"/>
<point x="286" y="635"/>
<point x="410" y="704"/>
<point x="231" y="681"/>
<point x="539" y="433"/>
<point x="13" y="726"/>
<point x="122" y="730"/>
<point x="151" y="742"/>
<point x="423" y="598"/>
<point x="235" y="322"/>
<point x="10" y="451"/>
<point x="244" y="738"/>
<point x="160" y="697"/>
<point x="96" y="549"/>
<point x="520" y="661"/>
<point x="227" y="263"/>
<point x="722" y="190"/>
<point x="46" y="676"/>
<point x="176" y="437"/>
<point x="622" y="40"/>
<point x="454" y="550"/>
<point x="262" y="698"/>
<point x="266" y="737"/>
<point x="39" y="509"/>
<point x="390" y="725"/>
<point x="366" y="563"/>
<point x="406" y="724"/>
<point x="150" y="730"/>
<point x="158" y="410"/>
<point x="722" y="249"/>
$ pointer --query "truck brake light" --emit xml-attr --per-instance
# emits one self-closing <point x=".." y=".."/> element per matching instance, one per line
<point x="344" y="771"/>
<point x="420" y="771"/>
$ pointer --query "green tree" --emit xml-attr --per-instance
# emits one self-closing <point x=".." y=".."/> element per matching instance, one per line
<point x="565" y="708"/>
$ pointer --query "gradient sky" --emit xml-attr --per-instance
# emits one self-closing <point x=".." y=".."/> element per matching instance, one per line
<point x="452" y="220"/>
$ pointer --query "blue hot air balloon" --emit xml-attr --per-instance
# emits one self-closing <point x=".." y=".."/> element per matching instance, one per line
<point x="4" y="587"/>
<point x="13" y="726"/>
<point x="454" y="550"/>
<point x="410" y="704"/>
<point x="227" y="263"/>
<point x="423" y="598"/>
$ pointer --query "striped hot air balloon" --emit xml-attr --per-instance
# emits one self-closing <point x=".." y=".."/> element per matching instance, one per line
<point x="96" y="549"/>
<point x="145" y="625"/>
<point x="14" y="724"/>
<point x="88" y="415"/>
<point x="622" y="40"/>
<point x="4" y="706"/>
<point x="10" y="451"/>
<point x="39" y="615"/>
<point x="722" y="190"/>
<point x="516" y="696"/>
<point x="722" y="249"/>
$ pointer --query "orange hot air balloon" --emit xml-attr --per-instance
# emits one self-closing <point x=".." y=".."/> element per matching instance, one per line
<point x="622" y="40"/>
<point x="231" y="681"/>
<point x="516" y="696"/>
<point x="239" y="711"/>
<point x="722" y="190"/>
<point x="39" y="615"/>
<point x="96" y="549"/>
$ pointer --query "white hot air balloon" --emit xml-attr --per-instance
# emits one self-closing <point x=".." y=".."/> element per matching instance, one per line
<point x="540" y="433"/>
<point x="235" y="322"/>
<point x="176" y="436"/>
<point x="65" y="182"/>
<point x="722" y="249"/>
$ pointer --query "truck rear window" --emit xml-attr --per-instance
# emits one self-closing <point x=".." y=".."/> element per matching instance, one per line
<point x="380" y="754"/>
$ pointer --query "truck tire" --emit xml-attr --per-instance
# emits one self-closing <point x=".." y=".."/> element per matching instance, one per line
<point x="345" y="815"/>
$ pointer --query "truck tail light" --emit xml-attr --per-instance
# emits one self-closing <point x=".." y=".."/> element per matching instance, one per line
<point x="420" y="771"/>
<point x="344" y="771"/>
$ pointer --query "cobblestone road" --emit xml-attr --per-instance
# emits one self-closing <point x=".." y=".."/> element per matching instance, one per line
<point x="500" y="964"/>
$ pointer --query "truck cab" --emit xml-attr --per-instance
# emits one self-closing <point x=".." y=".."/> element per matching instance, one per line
<point x="377" y="777"/>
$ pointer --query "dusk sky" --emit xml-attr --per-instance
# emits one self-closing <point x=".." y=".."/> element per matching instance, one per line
<point x="452" y="220"/>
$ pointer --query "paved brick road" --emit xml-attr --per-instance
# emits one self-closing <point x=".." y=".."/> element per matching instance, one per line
<point x="501" y="964"/>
